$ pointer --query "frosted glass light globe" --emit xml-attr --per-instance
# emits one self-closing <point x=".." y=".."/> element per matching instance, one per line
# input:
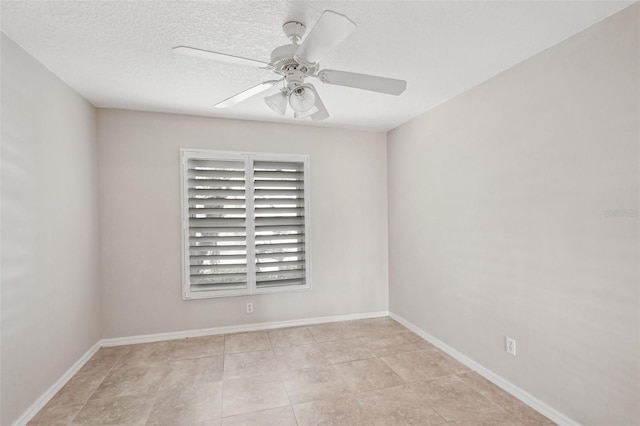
<point x="302" y="99"/>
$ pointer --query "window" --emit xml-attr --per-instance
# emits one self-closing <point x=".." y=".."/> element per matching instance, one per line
<point x="245" y="222"/>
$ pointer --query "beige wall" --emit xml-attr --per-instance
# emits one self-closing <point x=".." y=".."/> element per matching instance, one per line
<point x="50" y="308"/>
<point x="140" y="221"/>
<point x="497" y="205"/>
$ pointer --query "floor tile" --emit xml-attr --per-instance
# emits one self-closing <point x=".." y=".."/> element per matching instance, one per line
<point x="416" y="366"/>
<point x="345" y="350"/>
<point x="328" y="332"/>
<point x="357" y="329"/>
<point x="330" y="412"/>
<point x="524" y="414"/>
<point x="191" y="372"/>
<point x="422" y="344"/>
<point x="246" y="342"/>
<point x="388" y="344"/>
<point x="251" y="364"/>
<point x="313" y="384"/>
<point x="367" y="374"/>
<point x="484" y="387"/>
<point x="275" y="417"/>
<point x="371" y="371"/>
<point x="68" y="401"/>
<point x="448" y="362"/>
<point x="516" y="408"/>
<point x="56" y="414"/>
<point x="104" y="359"/>
<point x="79" y="388"/>
<point x="198" y="347"/>
<point x="144" y="354"/>
<point x="382" y="325"/>
<point x="194" y="404"/>
<point x="286" y="337"/>
<point x="500" y="419"/>
<point x="247" y="394"/>
<point x="121" y="410"/>
<point x="112" y="352"/>
<point x="302" y="356"/>
<point x="454" y="400"/>
<point x="397" y="406"/>
<point x="131" y="380"/>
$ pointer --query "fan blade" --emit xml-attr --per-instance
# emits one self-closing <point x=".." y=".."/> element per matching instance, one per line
<point x="322" y="112"/>
<point x="222" y="57"/>
<point x="246" y="94"/>
<point x="330" y="30"/>
<point x="390" y="86"/>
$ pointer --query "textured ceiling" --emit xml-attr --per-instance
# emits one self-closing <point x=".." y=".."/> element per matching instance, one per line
<point x="118" y="53"/>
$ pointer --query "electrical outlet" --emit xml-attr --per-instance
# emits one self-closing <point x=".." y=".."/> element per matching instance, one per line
<point x="510" y="345"/>
<point x="249" y="308"/>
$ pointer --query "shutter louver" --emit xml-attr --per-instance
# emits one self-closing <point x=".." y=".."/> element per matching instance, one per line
<point x="217" y="225"/>
<point x="279" y="223"/>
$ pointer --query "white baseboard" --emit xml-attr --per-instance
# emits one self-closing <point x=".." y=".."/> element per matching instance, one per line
<point x="39" y="403"/>
<point x="49" y="393"/>
<point x="157" y="337"/>
<point x="512" y="389"/>
<point x="509" y="387"/>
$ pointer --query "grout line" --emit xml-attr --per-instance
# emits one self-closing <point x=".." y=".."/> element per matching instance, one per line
<point x="101" y="381"/>
<point x="222" y="392"/>
<point x="270" y="342"/>
<point x="294" y="416"/>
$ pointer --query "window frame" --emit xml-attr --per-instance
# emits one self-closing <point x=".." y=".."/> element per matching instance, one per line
<point x="248" y="158"/>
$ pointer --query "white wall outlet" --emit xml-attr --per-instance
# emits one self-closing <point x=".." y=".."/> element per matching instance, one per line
<point x="510" y="345"/>
<point x="249" y="308"/>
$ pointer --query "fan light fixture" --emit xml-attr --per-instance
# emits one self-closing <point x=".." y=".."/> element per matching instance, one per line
<point x="301" y="115"/>
<point x="277" y="102"/>
<point x="302" y="99"/>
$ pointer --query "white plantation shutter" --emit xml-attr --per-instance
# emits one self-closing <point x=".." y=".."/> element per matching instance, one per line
<point x="279" y="223"/>
<point x="217" y="225"/>
<point x="245" y="223"/>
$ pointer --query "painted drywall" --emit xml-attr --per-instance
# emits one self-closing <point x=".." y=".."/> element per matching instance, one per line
<point x="139" y="190"/>
<point x="50" y="307"/>
<point x="513" y="211"/>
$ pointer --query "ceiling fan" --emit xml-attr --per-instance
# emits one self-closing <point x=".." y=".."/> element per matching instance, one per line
<point x="295" y="62"/>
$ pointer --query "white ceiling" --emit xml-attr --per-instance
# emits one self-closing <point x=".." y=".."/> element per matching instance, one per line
<point x="118" y="53"/>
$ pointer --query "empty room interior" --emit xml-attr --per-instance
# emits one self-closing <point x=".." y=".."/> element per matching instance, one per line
<point x="320" y="213"/>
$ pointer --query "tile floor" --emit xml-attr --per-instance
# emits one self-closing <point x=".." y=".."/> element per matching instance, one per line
<point x="365" y="372"/>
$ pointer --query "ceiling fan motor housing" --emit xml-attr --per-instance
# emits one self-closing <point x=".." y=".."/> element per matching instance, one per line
<point x="282" y="57"/>
<point x="283" y="62"/>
